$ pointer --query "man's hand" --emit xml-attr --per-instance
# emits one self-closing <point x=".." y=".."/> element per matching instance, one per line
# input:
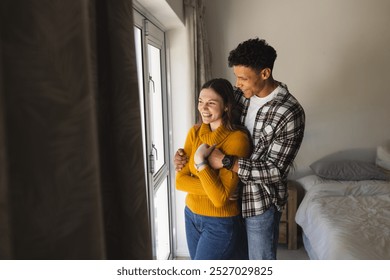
<point x="215" y="159"/>
<point x="180" y="159"/>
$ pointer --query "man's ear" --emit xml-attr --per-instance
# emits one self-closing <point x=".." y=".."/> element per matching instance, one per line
<point x="265" y="73"/>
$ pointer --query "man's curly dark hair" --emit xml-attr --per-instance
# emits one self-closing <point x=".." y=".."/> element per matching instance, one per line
<point x="253" y="53"/>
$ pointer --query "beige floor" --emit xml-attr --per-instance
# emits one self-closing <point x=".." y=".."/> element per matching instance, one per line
<point x="285" y="254"/>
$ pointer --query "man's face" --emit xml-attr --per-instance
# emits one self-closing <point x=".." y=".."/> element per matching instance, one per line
<point x="248" y="80"/>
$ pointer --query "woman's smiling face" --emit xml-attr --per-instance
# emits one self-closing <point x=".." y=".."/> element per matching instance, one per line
<point x="211" y="107"/>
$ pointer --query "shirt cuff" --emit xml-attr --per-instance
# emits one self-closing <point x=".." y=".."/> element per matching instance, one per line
<point x="243" y="174"/>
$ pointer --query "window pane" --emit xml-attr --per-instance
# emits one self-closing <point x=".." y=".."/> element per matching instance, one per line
<point x="155" y="87"/>
<point x="161" y="215"/>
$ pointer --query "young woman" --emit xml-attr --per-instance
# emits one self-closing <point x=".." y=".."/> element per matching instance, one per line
<point x="212" y="213"/>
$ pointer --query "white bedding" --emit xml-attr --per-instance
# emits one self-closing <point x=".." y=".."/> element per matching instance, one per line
<point x="346" y="219"/>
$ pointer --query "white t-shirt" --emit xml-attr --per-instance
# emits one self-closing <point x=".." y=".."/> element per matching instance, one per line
<point x="255" y="104"/>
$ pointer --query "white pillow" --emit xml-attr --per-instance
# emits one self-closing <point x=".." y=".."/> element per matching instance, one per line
<point x="383" y="156"/>
<point x="309" y="181"/>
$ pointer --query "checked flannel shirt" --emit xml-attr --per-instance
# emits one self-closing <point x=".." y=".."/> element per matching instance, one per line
<point x="279" y="127"/>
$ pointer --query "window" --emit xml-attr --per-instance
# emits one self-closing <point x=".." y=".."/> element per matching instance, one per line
<point x="150" y="52"/>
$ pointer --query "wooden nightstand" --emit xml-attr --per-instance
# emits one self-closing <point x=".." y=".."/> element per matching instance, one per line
<point x="288" y="228"/>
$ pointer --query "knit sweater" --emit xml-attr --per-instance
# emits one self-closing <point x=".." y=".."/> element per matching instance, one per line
<point x="208" y="190"/>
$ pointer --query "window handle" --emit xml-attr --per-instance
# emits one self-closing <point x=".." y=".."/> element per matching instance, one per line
<point x="151" y="81"/>
<point x="154" y="147"/>
<point x="152" y="160"/>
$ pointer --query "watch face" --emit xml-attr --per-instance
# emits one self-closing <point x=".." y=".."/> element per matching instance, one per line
<point x="226" y="161"/>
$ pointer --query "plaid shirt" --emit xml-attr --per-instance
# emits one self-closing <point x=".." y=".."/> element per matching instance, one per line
<point x="279" y="128"/>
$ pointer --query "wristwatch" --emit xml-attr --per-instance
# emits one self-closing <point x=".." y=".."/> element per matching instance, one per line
<point x="228" y="162"/>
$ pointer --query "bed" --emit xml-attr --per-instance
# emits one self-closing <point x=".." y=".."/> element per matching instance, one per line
<point x="345" y="212"/>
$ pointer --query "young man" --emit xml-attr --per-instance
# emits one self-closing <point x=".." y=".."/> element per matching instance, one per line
<point x="276" y="122"/>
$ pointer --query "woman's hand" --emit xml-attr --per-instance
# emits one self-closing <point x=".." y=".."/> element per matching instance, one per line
<point x="202" y="153"/>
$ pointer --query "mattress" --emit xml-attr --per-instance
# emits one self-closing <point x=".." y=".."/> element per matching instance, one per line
<point x="345" y="219"/>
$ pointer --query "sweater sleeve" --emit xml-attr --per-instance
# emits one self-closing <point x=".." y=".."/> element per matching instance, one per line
<point x="219" y="185"/>
<point x="185" y="181"/>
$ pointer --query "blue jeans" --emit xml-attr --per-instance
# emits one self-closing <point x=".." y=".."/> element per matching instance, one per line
<point x="263" y="234"/>
<point x="213" y="238"/>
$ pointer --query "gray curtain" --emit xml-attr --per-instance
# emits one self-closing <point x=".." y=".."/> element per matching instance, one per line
<point x="72" y="182"/>
<point x="195" y="24"/>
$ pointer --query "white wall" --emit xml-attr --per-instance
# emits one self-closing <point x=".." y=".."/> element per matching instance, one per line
<point x="334" y="55"/>
<point x="183" y="115"/>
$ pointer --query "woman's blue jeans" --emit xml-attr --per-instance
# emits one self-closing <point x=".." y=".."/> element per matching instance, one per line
<point x="263" y="234"/>
<point x="214" y="238"/>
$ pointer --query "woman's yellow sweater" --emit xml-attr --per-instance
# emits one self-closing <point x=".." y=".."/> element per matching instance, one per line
<point x="209" y="190"/>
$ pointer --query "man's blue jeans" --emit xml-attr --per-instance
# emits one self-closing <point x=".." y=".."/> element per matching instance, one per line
<point x="263" y="234"/>
<point x="212" y="238"/>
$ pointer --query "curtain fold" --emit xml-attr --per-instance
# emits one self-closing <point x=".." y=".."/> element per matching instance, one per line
<point x="5" y="234"/>
<point x="72" y="181"/>
<point x="195" y="24"/>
